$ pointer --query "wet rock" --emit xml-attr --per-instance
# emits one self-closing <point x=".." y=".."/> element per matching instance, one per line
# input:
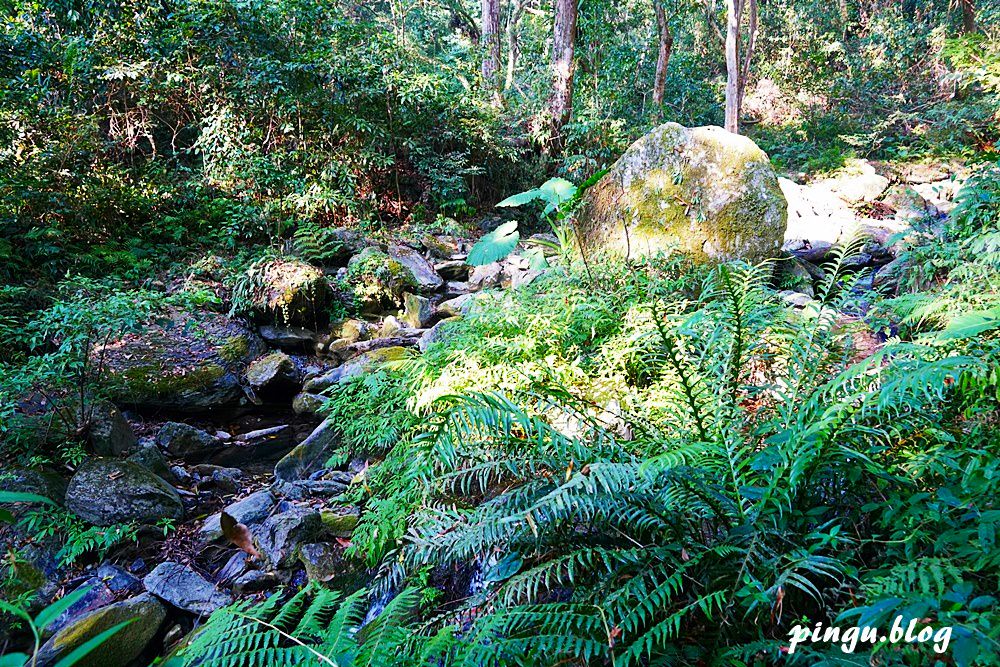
<point x="458" y="306"/>
<point x="323" y="561"/>
<point x="281" y="533"/>
<point x="795" y="299"/>
<point x="186" y="441"/>
<point x="418" y="311"/>
<point x="108" y="585"/>
<point x="425" y="277"/>
<point x="314" y="488"/>
<point x="289" y="292"/>
<point x="813" y="252"/>
<point x="273" y="377"/>
<point x="106" y="491"/>
<point x="706" y="192"/>
<point x="310" y="455"/>
<point x="109" y="433"/>
<point x="453" y="269"/>
<point x="131" y="642"/>
<point x="293" y="339"/>
<point x="307" y="404"/>
<point x="261" y="446"/>
<point x="340" y="523"/>
<point x="185" y="589"/>
<point x="252" y="510"/>
<point x="191" y="363"/>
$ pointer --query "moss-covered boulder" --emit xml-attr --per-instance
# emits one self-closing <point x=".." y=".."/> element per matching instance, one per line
<point x="310" y="455"/>
<point x="273" y="377"/>
<point x="703" y="191"/>
<point x="289" y="292"/>
<point x="186" y="363"/>
<point x="146" y="615"/>
<point x="378" y="281"/>
<point x="107" y="491"/>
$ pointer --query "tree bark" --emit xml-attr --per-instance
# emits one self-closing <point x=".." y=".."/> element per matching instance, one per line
<point x="490" y="43"/>
<point x="563" y="45"/>
<point x="513" y="42"/>
<point x="969" y="17"/>
<point x="734" y="10"/>
<point x="666" y="45"/>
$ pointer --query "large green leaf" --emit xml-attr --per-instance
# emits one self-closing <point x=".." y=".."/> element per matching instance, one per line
<point x="970" y="325"/>
<point x="52" y="612"/>
<point x="17" y="497"/>
<point x="495" y="246"/>
<point x="554" y="192"/>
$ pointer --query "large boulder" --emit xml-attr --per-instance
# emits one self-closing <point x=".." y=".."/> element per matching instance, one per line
<point x="289" y="292"/>
<point x="186" y="363"/>
<point x="377" y="280"/>
<point x="109" y="433"/>
<point x="273" y="377"/>
<point x="146" y="615"/>
<point x="185" y="441"/>
<point x="703" y="191"/>
<point x="106" y="491"/>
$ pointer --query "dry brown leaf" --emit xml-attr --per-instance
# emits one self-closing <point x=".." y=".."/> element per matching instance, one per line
<point x="238" y="534"/>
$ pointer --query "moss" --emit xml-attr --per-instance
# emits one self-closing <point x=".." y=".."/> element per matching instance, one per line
<point x="339" y="525"/>
<point x="378" y="281"/>
<point x="154" y="381"/>
<point x="236" y="348"/>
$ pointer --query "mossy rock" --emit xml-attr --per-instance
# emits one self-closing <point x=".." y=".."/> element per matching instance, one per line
<point x="378" y="281"/>
<point x="107" y="491"/>
<point x="146" y="614"/>
<point x="708" y="193"/>
<point x="188" y="363"/>
<point x="290" y="292"/>
<point x="273" y="376"/>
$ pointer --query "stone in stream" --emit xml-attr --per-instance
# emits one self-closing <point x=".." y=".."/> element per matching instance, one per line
<point x="185" y="589"/>
<point x="149" y="456"/>
<point x="107" y="491"/>
<point x="418" y="311"/>
<point x="109" y="433"/>
<point x="186" y="441"/>
<point x="333" y="485"/>
<point x="453" y="269"/>
<point x="290" y="292"/>
<point x="273" y="377"/>
<point x="909" y="204"/>
<point x="359" y="365"/>
<point x="708" y="193"/>
<point x="261" y="446"/>
<point x="426" y="278"/>
<point x="288" y="338"/>
<point x="189" y="363"/>
<point x="278" y="536"/>
<point x="128" y="645"/>
<point x="486" y="276"/>
<point x="108" y="585"/>
<point x="251" y="511"/>
<point x="310" y="455"/>
<point x="307" y="404"/>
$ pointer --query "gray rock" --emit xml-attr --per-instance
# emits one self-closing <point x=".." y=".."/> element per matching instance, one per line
<point x="273" y="377"/>
<point x="310" y="455"/>
<point x="708" y="193"/>
<point x="109" y="433"/>
<point x="108" y="585"/>
<point x="288" y="338"/>
<point x="486" y="276"/>
<point x="358" y="365"/>
<point x="418" y="311"/>
<point x="453" y="269"/>
<point x="814" y="252"/>
<point x="323" y="561"/>
<point x="460" y="305"/>
<point x="185" y="441"/>
<point x="106" y="491"/>
<point x="426" y="278"/>
<point x="391" y="325"/>
<point x="182" y="476"/>
<point x="314" y="488"/>
<point x="281" y="533"/>
<point x="436" y="334"/>
<point x="252" y="510"/>
<point x="253" y="581"/>
<point x="185" y="589"/>
<point x="151" y="458"/>
<point x="307" y="404"/>
<point x="796" y="299"/>
<point x="264" y="445"/>
<point x="146" y="614"/>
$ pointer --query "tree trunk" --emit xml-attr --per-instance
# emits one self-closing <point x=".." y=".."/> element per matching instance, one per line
<point x="734" y="11"/>
<point x="490" y="43"/>
<point x="969" y="17"/>
<point x="513" y="42"/>
<point x="563" y="45"/>
<point x="666" y="44"/>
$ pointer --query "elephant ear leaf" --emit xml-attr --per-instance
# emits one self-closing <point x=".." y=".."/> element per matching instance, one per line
<point x="556" y="192"/>
<point x="495" y="246"/>
<point x="521" y="198"/>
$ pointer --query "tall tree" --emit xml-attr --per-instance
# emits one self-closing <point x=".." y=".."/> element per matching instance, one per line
<point x="738" y="57"/>
<point x="490" y="43"/>
<point x="513" y="40"/>
<point x="665" y="44"/>
<point x="969" y="16"/>
<point x="563" y="46"/>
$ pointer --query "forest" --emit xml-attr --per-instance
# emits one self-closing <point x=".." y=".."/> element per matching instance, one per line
<point x="499" y="333"/>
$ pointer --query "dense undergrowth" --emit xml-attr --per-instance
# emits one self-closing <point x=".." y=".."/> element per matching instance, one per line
<point x="676" y="468"/>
